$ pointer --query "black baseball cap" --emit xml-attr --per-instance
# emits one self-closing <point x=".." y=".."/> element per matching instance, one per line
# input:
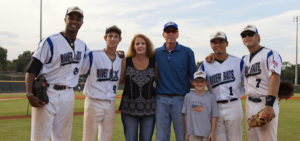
<point x="113" y="28"/>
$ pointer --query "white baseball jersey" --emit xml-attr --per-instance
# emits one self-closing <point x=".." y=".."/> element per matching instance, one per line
<point x="61" y="64"/>
<point x="103" y="75"/>
<point x="225" y="79"/>
<point x="259" y="69"/>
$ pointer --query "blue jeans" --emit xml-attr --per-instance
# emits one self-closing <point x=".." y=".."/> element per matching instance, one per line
<point x="131" y="125"/>
<point x="168" y="109"/>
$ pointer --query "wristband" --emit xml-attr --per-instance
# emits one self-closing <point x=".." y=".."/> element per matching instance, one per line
<point x="29" y="94"/>
<point x="270" y="99"/>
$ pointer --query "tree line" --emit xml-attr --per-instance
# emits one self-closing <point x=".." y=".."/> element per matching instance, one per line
<point x="16" y="65"/>
<point x="21" y="64"/>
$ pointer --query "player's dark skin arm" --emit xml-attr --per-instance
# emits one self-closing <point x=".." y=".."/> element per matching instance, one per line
<point x="33" y="100"/>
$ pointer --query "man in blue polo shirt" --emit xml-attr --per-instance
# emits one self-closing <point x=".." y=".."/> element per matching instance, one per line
<point x="176" y="66"/>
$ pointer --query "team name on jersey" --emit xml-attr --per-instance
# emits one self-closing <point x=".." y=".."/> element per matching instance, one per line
<point x="216" y="79"/>
<point x="107" y="75"/>
<point x="68" y="58"/>
<point x="253" y="70"/>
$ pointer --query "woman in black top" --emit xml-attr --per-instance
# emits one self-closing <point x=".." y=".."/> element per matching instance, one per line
<point x="138" y="101"/>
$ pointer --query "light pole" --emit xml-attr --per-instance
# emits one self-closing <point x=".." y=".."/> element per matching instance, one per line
<point x="296" y="19"/>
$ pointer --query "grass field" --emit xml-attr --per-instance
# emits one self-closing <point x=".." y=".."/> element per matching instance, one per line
<point x="19" y="129"/>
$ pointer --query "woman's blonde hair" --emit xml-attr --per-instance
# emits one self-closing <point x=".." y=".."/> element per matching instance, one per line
<point x="150" y="49"/>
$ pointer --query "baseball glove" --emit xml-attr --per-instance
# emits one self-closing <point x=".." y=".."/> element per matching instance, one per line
<point x="39" y="88"/>
<point x="286" y="90"/>
<point x="255" y="121"/>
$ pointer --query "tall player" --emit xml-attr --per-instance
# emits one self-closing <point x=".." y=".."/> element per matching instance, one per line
<point x="225" y="81"/>
<point x="262" y="79"/>
<point x="104" y="69"/>
<point x="59" y="58"/>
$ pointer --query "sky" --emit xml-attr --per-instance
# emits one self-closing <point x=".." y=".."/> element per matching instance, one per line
<point x="196" y="19"/>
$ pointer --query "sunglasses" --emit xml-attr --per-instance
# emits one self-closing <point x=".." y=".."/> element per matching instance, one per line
<point x="249" y="34"/>
<point x="171" y="31"/>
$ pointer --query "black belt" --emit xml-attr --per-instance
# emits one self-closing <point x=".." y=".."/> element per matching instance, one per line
<point x="61" y="87"/>
<point x="226" y="101"/>
<point x="254" y="99"/>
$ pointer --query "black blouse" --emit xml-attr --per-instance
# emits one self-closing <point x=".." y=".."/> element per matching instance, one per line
<point x="139" y="97"/>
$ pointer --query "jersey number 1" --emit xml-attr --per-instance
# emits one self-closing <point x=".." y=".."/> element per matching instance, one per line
<point x="230" y="89"/>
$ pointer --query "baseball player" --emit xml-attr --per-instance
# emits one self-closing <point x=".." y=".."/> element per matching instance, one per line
<point x="59" y="58"/>
<point x="104" y="69"/>
<point x="225" y="81"/>
<point x="262" y="79"/>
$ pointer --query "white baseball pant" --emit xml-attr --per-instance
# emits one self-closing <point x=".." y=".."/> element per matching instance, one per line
<point x="229" y="123"/>
<point x="267" y="132"/>
<point x="55" y="118"/>
<point x="98" y="114"/>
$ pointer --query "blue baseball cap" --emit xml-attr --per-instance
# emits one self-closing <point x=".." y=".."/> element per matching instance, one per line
<point x="170" y="24"/>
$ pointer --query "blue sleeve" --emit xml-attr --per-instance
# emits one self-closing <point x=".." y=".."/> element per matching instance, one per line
<point x="192" y="67"/>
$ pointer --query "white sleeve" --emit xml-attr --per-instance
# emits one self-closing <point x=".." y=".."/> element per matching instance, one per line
<point x="43" y="53"/>
<point x="274" y="63"/>
<point x="242" y="69"/>
<point x="86" y="64"/>
<point x="87" y="51"/>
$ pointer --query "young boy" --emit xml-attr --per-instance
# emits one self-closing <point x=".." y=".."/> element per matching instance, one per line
<point x="201" y="111"/>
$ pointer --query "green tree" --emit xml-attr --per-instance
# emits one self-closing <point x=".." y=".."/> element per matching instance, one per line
<point x="199" y="64"/>
<point x="3" y="59"/>
<point x="287" y="72"/>
<point x="23" y="61"/>
<point x="12" y="65"/>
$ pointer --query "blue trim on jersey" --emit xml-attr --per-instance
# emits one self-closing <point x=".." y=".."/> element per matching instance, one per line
<point x="91" y="61"/>
<point x="84" y="51"/>
<point x="269" y="54"/>
<point x="51" y="49"/>
<point x="41" y="41"/>
<point x="241" y="64"/>
<point x="202" y="67"/>
<point x="243" y="57"/>
<point x="280" y="58"/>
